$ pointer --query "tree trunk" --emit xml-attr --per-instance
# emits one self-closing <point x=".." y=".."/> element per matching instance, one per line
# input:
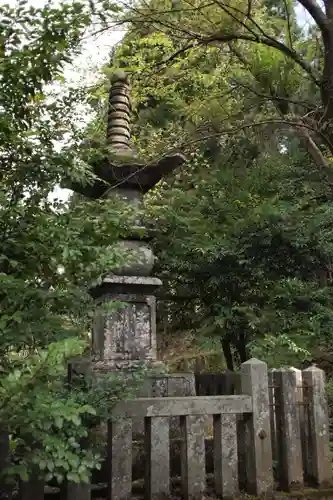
<point x="242" y="348"/>
<point x="226" y="347"/>
<point x="327" y="80"/>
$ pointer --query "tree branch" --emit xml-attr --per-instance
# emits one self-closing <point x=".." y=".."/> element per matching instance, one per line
<point x="288" y="23"/>
<point x="312" y="148"/>
<point x="229" y="37"/>
<point x="232" y="37"/>
<point x="270" y="97"/>
<point x="295" y="123"/>
<point x="329" y="8"/>
<point x="316" y="13"/>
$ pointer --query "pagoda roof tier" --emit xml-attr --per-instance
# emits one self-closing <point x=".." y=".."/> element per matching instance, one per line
<point x="130" y="175"/>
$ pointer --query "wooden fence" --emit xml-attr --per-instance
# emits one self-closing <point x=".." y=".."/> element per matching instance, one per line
<point x="275" y="434"/>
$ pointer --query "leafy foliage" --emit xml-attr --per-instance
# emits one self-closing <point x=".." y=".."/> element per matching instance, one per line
<point x="49" y="420"/>
<point x="51" y="253"/>
<point x="254" y="274"/>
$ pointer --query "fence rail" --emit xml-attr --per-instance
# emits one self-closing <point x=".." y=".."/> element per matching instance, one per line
<point x="272" y="435"/>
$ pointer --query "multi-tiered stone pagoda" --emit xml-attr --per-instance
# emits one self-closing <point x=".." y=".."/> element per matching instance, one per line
<point x="127" y="336"/>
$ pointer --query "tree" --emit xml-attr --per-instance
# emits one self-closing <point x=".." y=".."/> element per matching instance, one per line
<point x="50" y="254"/>
<point x="243" y="245"/>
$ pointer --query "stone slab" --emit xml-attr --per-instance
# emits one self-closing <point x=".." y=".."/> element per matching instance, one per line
<point x="193" y="469"/>
<point x="132" y="280"/>
<point x="157" y="458"/>
<point x="120" y="459"/>
<point x="192" y="405"/>
<point x="225" y="456"/>
<point x="289" y="445"/>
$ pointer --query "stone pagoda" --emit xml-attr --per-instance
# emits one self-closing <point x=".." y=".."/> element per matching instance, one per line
<point x="126" y="337"/>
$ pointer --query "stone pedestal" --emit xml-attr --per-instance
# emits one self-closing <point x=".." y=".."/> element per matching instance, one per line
<point x="127" y="336"/>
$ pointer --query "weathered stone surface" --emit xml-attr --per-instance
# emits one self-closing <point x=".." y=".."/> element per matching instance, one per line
<point x="133" y="280"/>
<point x="119" y="101"/>
<point x="116" y="121"/>
<point x="165" y="385"/>
<point x="115" y="131"/>
<point x="157" y="480"/>
<point x="128" y="334"/>
<point x="225" y="456"/>
<point x="140" y="258"/>
<point x="120" y="459"/>
<point x="132" y="197"/>
<point x="197" y="405"/>
<point x="288" y="430"/>
<point x="302" y="418"/>
<point x="193" y="457"/>
<point x="259" y="467"/>
<point x="173" y="385"/>
<point x="319" y="467"/>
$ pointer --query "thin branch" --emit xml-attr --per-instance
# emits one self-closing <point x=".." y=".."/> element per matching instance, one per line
<point x="234" y="130"/>
<point x="288" y="23"/>
<point x="250" y="18"/>
<point x="316" y="13"/>
<point x="229" y="37"/>
<point x="203" y="13"/>
<point x="270" y="97"/>
<point x="312" y="148"/>
<point x="146" y="16"/>
<point x="238" y="21"/>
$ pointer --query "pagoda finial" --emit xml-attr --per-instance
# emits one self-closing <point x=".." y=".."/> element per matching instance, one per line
<point x="118" y="128"/>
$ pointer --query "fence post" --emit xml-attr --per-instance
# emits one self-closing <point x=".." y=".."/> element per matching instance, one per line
<point x="241" y="444"/>
<point x="193" y="469"/>
<point x="319" y="466"/>
<point x="120" y="459"/>
<point x="259" y="473"/>
<point x="157" y="457"/>
<point x="289" y="443"/>
<point x="225" y="456"/>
